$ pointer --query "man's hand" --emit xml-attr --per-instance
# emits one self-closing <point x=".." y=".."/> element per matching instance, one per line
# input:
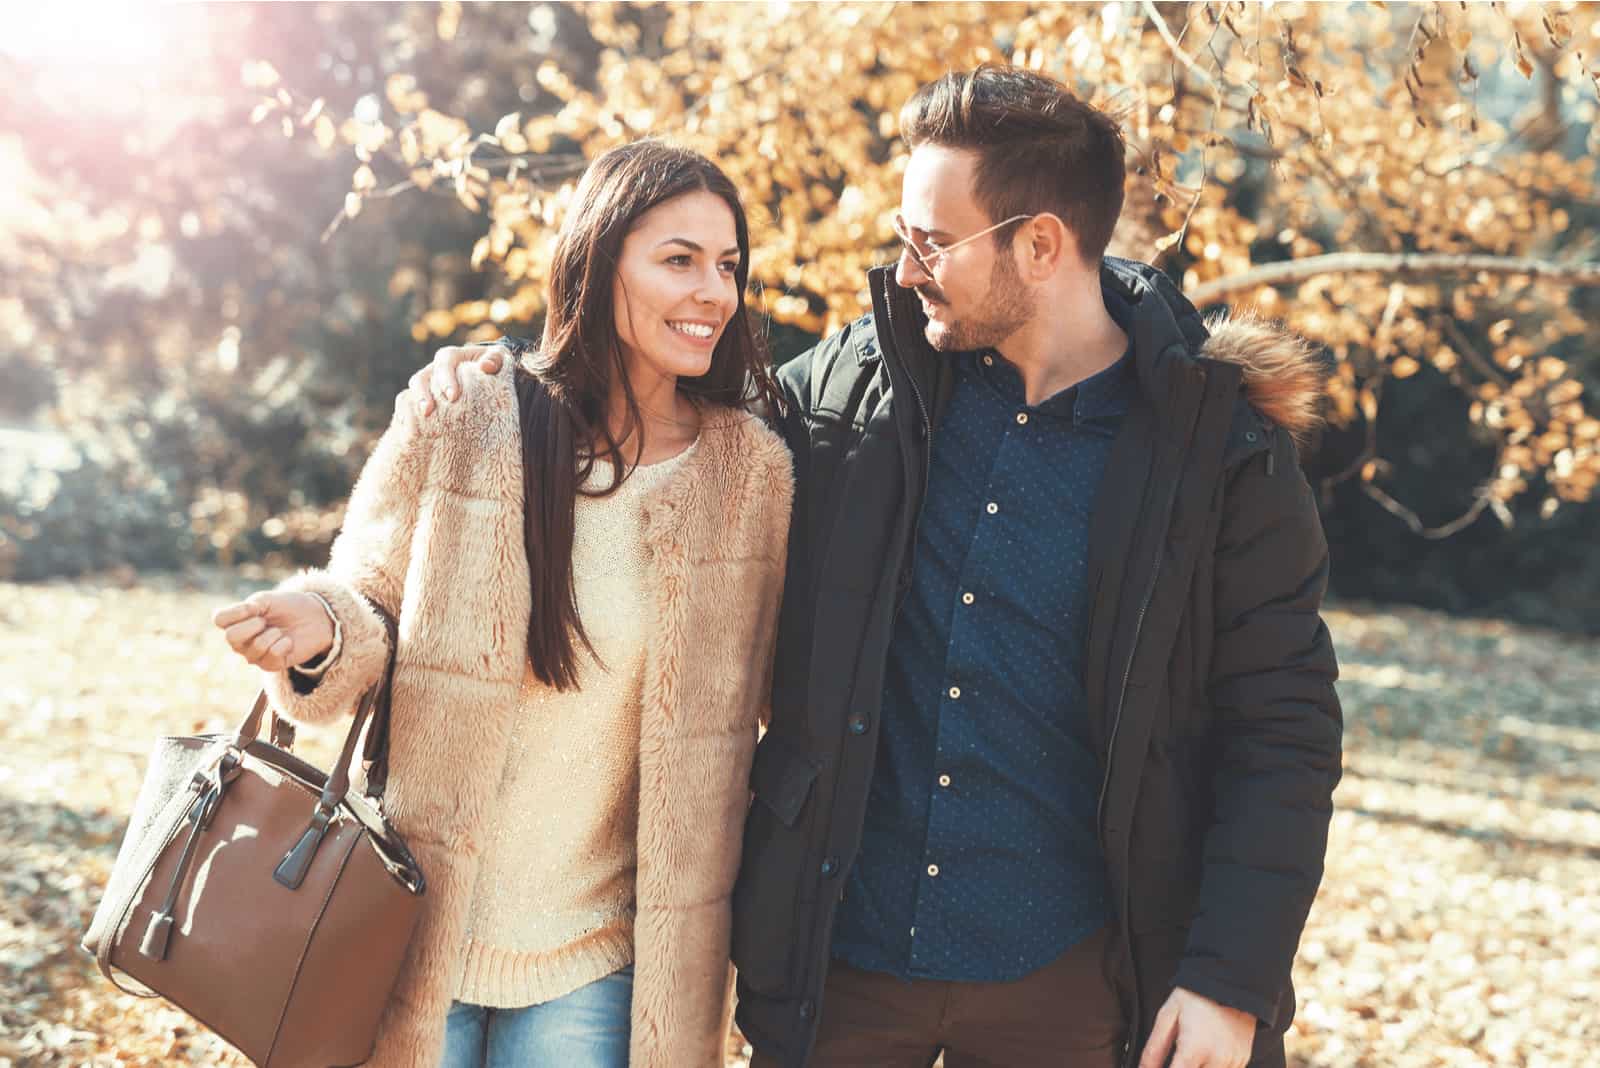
<point x="442" y="377"/>
<point x="1205" y="1034"/>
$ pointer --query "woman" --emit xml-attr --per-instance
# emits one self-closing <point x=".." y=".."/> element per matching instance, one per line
<point x="585" y="556"/>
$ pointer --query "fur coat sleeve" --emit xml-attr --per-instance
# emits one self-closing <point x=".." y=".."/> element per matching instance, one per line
<point x="366" y="566"/>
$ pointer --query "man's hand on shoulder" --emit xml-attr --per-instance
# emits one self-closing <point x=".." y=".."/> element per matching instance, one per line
<point x="440" y="381"/>
<point x="1199" y="1033"/>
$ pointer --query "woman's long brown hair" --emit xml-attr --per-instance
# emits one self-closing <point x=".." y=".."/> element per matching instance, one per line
<point x="563" y="388"/>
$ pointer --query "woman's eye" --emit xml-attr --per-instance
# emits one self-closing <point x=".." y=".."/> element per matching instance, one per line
<point x="729" y="266"/>
<point x="679" y="260"/>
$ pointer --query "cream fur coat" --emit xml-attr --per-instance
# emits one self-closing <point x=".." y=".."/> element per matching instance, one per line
<point x="434" y="534"/>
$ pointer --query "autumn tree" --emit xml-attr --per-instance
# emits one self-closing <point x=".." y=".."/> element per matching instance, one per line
<point x="1408" y="185"/>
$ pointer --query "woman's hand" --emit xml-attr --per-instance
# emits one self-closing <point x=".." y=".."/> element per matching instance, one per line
<point x="275" y="630"/>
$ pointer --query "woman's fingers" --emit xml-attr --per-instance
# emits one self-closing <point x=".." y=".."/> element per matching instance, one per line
<point x="262" y="644"/>
<point x="227" y="616"/>
<point x="277" y="654"/>
<point x="241" y="634"/>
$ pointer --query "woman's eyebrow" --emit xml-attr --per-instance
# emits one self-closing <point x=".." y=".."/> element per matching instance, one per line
<point x="732" y="250"/>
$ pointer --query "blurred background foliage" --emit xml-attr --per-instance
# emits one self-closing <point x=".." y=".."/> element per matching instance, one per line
<point x="228" y="233"/>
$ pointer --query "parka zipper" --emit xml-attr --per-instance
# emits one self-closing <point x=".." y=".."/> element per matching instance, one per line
<point x="1127" y="671"/>
<point x="1111" y="745"/>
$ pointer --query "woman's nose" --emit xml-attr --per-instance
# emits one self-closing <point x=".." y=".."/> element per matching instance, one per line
<point x="715" y="288"/>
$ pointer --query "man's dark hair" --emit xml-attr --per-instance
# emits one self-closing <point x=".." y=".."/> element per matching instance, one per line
<point x="1040" y="148"/>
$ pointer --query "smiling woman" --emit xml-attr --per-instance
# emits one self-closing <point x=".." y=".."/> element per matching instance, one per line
<point x="585" y="553"/>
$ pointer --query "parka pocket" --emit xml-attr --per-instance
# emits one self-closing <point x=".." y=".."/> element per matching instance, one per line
<point x="767" y="918"/>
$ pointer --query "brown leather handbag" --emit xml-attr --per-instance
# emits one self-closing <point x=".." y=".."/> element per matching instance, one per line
<point x="262" y="896"/>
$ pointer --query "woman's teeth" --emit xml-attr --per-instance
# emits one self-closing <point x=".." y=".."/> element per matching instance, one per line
<point x="699" y="330"/>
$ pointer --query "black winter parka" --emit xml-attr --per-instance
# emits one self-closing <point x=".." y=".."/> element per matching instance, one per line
<point x="1210" y="673"/>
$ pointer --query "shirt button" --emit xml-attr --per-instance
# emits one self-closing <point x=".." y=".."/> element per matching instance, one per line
<point x="967" y="598"/>
<point x="829" y="866"/>
<point x="1022" y="418"/>
<point x="933" y="870"/>
<point x="992" y="508"/>
<point x="858" y="725"/>
<point x="955" y="693"/>
<point x="988" y="361"/>
<point x="944" y="780"/>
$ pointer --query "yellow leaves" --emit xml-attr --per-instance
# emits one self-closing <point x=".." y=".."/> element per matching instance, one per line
<point x="440" y="322"/>
<point x="403" y="95"/>
<point x="439" y="133"/>
<point x="366" y="137"/>
<point x="801" y="105"/>
<point x="325" y="133"/>
<point x="508" y="132"/>
<point x="1524" y="64"/>
<point x="1564" y="392"/>
<point x="1368" y="400"/>
<point x="448" y="20"/>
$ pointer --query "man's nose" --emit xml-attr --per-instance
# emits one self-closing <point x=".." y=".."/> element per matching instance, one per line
<point x="908" y="273"/>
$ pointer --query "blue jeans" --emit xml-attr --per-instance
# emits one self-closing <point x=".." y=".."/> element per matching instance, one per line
<point x="587" y="1028"/>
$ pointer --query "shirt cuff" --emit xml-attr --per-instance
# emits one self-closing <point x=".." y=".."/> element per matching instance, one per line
<point x="315" y="667"/>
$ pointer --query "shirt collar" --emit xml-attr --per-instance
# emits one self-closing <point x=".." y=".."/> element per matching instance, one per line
<point x="1104" y="394"/>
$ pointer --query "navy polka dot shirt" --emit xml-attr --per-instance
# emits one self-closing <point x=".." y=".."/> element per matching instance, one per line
<point x="980" y="859"/>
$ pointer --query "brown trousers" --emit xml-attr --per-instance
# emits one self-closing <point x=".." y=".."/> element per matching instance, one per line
<point x="1065" y="1015"/>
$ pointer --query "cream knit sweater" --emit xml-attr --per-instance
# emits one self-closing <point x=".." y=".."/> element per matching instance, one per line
<point x="553" y="906"/>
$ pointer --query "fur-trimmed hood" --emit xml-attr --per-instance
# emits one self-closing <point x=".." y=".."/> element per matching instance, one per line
<point x="1285" y="378"/>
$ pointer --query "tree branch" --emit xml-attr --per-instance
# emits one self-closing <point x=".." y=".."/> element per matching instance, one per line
<point x="1399" y="265"/>
<point x="1418" y="527"/>
<point x="1176" y="47"/>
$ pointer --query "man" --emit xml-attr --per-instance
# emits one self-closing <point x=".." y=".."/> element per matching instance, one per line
<point x="1054" y="732"/>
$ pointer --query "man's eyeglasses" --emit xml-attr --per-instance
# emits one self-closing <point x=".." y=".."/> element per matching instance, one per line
<point x="930" y="259"/>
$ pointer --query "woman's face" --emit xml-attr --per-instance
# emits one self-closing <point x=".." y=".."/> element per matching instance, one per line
<point x="675" y="288"/>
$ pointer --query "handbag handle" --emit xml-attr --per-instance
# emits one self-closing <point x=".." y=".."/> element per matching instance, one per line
<point x="375" y="702"/>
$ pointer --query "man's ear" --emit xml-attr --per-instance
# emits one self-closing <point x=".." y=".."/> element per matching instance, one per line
<point x="1043" y="247"/>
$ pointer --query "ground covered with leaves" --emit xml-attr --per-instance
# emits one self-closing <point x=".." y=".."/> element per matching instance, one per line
<point x="1459" y="923"/>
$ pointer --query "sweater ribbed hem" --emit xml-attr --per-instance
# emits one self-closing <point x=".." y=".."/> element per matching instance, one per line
<point x="500" y="978"/>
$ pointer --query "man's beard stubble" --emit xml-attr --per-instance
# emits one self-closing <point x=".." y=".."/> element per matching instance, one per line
<point x="1008" y="306"/>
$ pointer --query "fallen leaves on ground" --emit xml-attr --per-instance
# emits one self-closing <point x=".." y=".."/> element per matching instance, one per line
<point x="1458" y="924"/>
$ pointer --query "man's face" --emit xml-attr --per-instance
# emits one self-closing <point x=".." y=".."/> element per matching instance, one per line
<point x="974" y="298"/>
